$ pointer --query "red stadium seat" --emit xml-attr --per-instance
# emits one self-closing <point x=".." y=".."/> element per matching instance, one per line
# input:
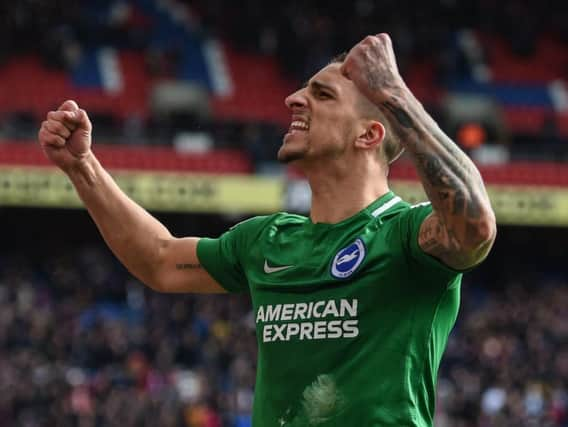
<point x="139" y="158"/>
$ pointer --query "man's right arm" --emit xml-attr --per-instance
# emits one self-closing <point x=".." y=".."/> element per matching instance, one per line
<point x="145" y="247"/>
<point x="140" y="241"/>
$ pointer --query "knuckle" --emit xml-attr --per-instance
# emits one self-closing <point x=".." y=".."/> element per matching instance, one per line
<point x="43" y="131"/>
<point x="52" y="127"/>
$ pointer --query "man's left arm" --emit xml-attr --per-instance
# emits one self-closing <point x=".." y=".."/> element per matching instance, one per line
<point x="461" y="229"/>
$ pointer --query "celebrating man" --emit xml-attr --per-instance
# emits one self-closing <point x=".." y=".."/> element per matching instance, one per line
<point x="353" y="304"/>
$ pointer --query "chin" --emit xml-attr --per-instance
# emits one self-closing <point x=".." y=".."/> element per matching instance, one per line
<point x="286" y="155"/>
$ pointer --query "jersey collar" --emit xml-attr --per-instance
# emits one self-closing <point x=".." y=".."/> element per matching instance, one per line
<point x="387" y="203"/>
<point x="384" y="204"/>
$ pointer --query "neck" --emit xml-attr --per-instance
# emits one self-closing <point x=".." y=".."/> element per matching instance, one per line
<point x="339" y="193"/>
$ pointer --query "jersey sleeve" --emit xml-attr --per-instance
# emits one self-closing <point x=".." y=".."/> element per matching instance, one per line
<point x="411" y="221"/>
<point x="223" y="257"/>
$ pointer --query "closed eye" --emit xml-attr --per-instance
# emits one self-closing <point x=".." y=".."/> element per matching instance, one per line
<point x="323" y="95"/>
<point x="321" y="90"/>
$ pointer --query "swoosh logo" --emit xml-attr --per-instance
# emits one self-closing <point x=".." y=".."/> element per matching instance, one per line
<point x="268" y="269"/>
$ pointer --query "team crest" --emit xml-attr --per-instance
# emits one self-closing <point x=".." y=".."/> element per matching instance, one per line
<point x="348" y="259"/>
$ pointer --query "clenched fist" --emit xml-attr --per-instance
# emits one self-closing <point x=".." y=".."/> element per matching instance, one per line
<point x="66" y="135"/>
<point x="371" y="65"/>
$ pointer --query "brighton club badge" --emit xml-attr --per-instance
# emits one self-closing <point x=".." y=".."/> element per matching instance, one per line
<point x="348" y="259"/>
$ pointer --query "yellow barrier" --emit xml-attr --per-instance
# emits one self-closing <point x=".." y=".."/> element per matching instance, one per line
<point x="184" y="192"/>
<point x="513" y="204"/>
<point x="160" y="191"/>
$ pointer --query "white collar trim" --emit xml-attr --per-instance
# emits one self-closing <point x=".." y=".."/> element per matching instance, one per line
<point x="386" y="206"/>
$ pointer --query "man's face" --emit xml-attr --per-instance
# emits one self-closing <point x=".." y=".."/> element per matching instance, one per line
<point x="325" y="117"/>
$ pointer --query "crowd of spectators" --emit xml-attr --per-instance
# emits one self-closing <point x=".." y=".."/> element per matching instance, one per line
<point x="302" y="36"/>
<point x="82" y="343"/>
<point x="305" y="35"/>
<point x="58" y="30"/>
<point x="506" y="363"/>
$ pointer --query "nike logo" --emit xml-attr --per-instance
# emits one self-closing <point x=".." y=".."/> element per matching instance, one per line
<point x="268" y="269"/>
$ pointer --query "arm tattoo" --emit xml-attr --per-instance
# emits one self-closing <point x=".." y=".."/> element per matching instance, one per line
<point x="447" y="174"/>
<point x="188" y="266"/>
<point x="401" y="116"/>
<point x="457" y="194"/>
<point x="437" y="240"/>
<point x="451" y="181"/>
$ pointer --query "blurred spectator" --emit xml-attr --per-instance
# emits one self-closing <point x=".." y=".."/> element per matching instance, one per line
<point x="82" y="343"/>
<point x="432" y="53"/>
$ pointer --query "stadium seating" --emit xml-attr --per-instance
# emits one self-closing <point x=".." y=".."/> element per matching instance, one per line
<point x="83" y="343"/>
<point x="141" y="158"/>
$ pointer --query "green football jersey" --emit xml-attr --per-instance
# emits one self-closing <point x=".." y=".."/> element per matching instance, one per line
<point x="351" y="318"/>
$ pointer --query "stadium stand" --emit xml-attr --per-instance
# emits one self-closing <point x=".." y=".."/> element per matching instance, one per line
<point x="198" y="87"/>
<point x="82" y="343"/>
<point x="126" y="49"/>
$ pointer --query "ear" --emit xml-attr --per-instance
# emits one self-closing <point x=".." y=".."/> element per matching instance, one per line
<point x="373" y="135"/>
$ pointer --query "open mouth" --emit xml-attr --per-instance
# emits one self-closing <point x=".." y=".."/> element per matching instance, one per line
<point x="299" y="125"/>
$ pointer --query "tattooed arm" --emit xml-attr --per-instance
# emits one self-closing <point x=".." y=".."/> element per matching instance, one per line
<point x="145" y="247"/>
<point x="461" y="230"/>
<point x="140" y="241"/>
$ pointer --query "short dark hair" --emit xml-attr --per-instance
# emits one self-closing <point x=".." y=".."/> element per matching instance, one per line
<point x="391" y="148"/>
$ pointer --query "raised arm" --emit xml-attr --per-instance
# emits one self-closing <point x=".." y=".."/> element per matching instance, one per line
<point x="142" y="243"/>
<point x="461" y="229"/>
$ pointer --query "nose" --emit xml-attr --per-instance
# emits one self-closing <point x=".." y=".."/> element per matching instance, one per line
<point x="296" y="99"/>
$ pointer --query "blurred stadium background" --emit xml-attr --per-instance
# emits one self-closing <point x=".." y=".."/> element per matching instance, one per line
<point x="186" y="98"/>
